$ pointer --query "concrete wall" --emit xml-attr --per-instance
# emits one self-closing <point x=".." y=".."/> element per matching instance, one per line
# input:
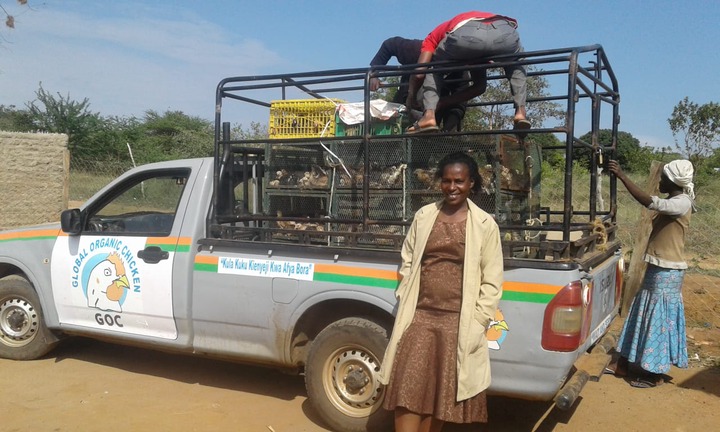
<point x="34" y="178"/>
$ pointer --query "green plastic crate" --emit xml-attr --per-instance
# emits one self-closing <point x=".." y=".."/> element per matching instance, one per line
<point x="393" y="126"/>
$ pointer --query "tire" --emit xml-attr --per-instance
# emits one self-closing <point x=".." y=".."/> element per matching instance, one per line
<point x="341" y="376"/>
<point x="23" y="333"/>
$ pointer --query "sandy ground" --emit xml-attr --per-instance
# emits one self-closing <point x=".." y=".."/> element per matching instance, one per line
<point x="87" y="385"/>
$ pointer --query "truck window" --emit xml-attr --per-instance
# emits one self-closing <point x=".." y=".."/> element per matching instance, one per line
<point x="143" y="206"/>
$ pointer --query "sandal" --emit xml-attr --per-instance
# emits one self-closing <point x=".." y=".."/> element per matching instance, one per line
<point x="417" y="129"/>
<point x="521" y="124"/>
<point x="649" y="381"/>
<point x="643" y="383"/>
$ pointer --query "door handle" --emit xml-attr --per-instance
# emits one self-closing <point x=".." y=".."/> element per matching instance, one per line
<point x="153" y="255"/>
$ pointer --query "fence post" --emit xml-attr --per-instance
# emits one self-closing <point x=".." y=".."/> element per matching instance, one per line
<point x="637" y="268"/>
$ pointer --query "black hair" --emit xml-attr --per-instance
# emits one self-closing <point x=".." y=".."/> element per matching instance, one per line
<point x="461" y="158"/>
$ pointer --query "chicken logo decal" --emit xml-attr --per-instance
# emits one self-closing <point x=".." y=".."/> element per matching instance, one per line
<point x="497" y="331"/>
<point x="106" y="284"/>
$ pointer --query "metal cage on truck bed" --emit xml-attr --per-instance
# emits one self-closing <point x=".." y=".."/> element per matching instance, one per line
<point x="314" y="181"/>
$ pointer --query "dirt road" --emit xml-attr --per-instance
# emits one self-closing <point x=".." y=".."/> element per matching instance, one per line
<point x="86" y="385"/>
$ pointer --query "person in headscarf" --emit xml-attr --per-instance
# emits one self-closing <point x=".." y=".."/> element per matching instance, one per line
<point x="653" y="337"/>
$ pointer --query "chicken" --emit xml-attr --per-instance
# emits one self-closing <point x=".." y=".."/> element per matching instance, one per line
<point x="315" y="178"/>
<point x="426" y="177"/>
<point x="304" y="181"/>
<point x="355" y="179"/>
<point x="309" y="226"/>
<point x="345" y="180"/>
<point x="358" y="176"/>
<point x="511" y="179"/>
<point x="300" y="226"/>
<point x="392" y="176"/>
<point x="281" y="177"/>
<point x="284" y="224"/>
<point x="319" y="177"/>
<point x="488" y="179"/>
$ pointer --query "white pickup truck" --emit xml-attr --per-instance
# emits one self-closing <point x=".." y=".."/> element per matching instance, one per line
<point x="284" y="251"/>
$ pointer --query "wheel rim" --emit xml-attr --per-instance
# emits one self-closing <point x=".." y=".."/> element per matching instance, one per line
<point x="18" y="322"/>
<point x="350" y="380"/>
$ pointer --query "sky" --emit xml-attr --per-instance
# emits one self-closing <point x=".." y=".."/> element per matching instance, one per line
<point x="130" y="56"/>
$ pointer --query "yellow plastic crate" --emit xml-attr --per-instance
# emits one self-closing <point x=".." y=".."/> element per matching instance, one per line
<point x="303" y="118"/>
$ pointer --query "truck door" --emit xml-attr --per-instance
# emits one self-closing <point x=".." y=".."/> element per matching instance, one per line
<point x="116" y="275"/>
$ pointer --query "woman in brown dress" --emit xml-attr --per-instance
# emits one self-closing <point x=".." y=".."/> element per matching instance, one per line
<point x="436" y="366"/>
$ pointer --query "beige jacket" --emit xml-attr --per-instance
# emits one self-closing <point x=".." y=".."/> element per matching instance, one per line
<point x="482" y="289"/>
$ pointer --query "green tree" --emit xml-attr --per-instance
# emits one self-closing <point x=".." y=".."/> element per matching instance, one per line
<point x="712" y="163"/>
<point x="108" y="143"/>
<point x="553" y="157"/>
<point x="93" y="140"/>
<point x="255" y="130"/>
<point x="387" y="93"/>
<point x="172" y="135"/>
<point x="14" y="120"/>
<point x="62" y="114"/>
<point x="496" y="116"/>
<point x="696" y="129"/>
<point x="629" y="153"/>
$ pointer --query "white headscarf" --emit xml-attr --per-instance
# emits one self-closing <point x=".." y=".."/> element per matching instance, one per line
<point x="680" y="172"/>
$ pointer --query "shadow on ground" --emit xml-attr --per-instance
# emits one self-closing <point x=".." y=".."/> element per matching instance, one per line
<point x="183" y="368"/>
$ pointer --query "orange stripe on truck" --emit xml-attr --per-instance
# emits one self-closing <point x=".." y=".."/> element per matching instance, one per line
<point x="531" y="287"/>
<point x="356" y="271"/>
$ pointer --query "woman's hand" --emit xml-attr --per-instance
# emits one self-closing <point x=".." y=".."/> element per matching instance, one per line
<point x="614" y="167"/>
<point x="374" y="84"/>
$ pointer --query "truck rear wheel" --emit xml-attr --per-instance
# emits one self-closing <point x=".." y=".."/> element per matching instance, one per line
<point x="341" y="375"/>
<point x="23" y="333"/>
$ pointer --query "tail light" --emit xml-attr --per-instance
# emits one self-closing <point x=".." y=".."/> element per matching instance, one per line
<point x="619" y="279"/>
<point x="567" y="317"/>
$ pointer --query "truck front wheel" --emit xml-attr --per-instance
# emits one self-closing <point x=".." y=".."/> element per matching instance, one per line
<point x="23" y="333"/>
<point x="341" y="375"/>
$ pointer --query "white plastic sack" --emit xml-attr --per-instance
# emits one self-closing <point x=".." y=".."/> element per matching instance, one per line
<point x="354" y="113"/>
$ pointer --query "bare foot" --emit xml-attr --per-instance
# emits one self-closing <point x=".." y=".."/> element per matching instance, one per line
<point x="520" y="114"/>
<point x="427" y="120"/>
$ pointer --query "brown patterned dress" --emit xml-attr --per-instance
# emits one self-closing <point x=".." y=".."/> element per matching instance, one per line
<point x="424" y="374"/>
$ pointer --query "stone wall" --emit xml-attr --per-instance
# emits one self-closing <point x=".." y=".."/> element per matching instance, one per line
<point x="34" y="178"/>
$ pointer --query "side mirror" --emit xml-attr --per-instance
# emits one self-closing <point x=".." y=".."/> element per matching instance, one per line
<point x="71" y="221"/>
